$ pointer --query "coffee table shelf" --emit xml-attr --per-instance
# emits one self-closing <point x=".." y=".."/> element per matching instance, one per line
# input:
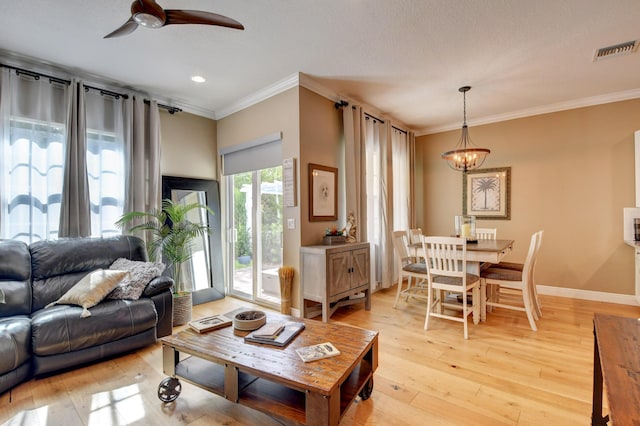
<point x="274" y="380"/>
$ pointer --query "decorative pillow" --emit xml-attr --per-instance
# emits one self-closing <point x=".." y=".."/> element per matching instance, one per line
<point x="140" y="273"/>
<point x="91" y="289"/>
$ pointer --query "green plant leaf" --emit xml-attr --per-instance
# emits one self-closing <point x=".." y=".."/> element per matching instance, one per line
<point x="171" y="234"/>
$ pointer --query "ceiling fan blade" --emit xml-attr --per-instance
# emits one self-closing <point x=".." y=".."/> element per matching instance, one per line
<point x="126" y="28"/>
<point x="199" y="17"/>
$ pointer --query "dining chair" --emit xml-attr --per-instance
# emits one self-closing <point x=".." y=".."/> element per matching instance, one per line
<point x="446" y="259"/>
<point x="486" y="233"/>
<point x="409" y="268"/>
<point x="414" y="235"/>
<point x="519" y="283"/>
<point x="519" y="267"/>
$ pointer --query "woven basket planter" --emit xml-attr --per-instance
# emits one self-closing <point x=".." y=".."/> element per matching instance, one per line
<point x="182" y="304"/>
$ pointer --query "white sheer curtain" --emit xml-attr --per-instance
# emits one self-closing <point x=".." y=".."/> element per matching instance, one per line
<point x="33" y="116"/>
<point x="378" y="219"/>
<point x="354" y="165"/>
<point x="402" y="183"/>
<point x="105" y="115"/>
<point x="400" y="166"/>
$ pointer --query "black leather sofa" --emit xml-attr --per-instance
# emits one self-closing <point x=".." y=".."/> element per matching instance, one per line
<point x="37" y="341"/>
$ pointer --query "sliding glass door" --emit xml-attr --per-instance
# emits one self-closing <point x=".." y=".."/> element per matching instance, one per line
<point x="254" y="251"/>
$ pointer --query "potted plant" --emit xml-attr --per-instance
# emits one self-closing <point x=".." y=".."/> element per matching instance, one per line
<point x="171" y="237"/>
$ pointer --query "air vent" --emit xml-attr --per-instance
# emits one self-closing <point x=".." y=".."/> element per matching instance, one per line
<point x="616" y="50"/>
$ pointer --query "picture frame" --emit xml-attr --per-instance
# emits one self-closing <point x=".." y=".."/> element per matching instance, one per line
<point x="486" y="193"/>
<point x="323" y="193"/>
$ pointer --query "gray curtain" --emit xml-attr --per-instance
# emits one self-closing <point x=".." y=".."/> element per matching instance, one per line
<point x="142" y="149"/>
<point x="75" y="216"/>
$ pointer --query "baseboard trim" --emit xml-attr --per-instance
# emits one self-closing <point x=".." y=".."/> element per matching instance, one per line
<point x="598" y="296"/>
<point x="295" y="313"/>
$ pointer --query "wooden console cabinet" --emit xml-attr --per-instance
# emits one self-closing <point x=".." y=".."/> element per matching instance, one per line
<point x="332" y="275"/>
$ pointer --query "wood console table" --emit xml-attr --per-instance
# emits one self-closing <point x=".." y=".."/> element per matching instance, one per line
<point x="616" y="358"/>
<point x="332" y="275"/>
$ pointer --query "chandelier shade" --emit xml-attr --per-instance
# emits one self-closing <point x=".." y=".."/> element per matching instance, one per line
<point x="465" y="156"/>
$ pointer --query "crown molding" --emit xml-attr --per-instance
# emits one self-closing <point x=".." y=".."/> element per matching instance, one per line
<point x="310" y="83"/>
<point x="545" y="109"/>
<point x="276" y="88"/>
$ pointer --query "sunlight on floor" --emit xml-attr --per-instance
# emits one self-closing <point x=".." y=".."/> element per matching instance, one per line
<point x="121" y="406"/>
<point x="37" y="416"/>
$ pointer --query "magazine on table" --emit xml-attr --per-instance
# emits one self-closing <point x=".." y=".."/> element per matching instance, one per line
<point x="316" y="352"/>
<point x="290" y="329"/>
<point x="212" y="322"/>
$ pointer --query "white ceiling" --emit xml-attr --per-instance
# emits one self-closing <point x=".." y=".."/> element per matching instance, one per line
<point x="406" y="58"/>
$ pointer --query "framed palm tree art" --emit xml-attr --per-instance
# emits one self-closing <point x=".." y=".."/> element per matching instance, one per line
<point x="486" y="193"/>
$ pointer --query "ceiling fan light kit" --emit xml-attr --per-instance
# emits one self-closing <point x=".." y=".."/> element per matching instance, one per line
<point x="147" y="20"/>
<point x="465" y="156"/>
<point x="149" y="14"/>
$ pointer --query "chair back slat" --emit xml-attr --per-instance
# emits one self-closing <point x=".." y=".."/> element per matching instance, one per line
<point x="486" y="233"/>
<point x="400" y="244"/>
<point x="527" y="270"/>
<point x="414" y="235"/>
<point x="445" y="255"/>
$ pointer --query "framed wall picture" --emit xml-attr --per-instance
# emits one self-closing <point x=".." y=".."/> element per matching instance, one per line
<point x="486" y="193"/>
<point x="323" y="193"/>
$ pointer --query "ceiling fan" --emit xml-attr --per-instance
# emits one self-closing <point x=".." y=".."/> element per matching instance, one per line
<point x="150" y="14"/>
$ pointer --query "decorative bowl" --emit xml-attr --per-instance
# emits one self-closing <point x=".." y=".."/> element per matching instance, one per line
<point x="249" y="320"/>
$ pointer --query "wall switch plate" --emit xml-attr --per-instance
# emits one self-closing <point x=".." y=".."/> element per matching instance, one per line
<point x="291" y="223"/>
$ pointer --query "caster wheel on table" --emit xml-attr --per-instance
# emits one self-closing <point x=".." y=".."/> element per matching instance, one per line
<point x="367" y="390"/>
<point x="169" y="389"/>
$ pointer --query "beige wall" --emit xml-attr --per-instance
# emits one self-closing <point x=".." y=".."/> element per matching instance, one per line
<point x="279" y="113"/>
<point x="572" y="173"/>
<point x="188" y="145"/>
<point x="320" y="143"/>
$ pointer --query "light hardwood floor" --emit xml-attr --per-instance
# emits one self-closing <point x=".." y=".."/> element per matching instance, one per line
<point x="505" y="374"/>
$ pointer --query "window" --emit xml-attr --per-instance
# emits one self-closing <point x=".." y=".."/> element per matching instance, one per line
<point x="32" y="167"/>
<point x="105" y="169"/>
<point x="253" y="173"/>
<point x="33" y="154"/>
<point x="105" y="161"/>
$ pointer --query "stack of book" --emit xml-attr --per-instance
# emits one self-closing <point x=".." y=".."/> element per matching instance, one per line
<point x="277" y="333"/>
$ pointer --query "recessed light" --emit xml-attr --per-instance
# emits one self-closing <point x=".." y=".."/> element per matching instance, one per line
<point x="198" y="79"/>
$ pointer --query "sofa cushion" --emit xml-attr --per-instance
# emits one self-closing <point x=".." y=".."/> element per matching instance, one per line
<point x="15" y="278"/>
<point x="140" y="274"/>
<point x="15" y="342"/>
<point x="91" y="289"/>
<point x="58" y="265"/>
<point x="57" y="330"/>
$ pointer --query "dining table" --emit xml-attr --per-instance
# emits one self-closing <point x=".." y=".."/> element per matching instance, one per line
<point x="478" y="252"/>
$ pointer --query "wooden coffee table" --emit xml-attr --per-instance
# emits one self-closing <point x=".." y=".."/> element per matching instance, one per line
<point x="271" y="379"/>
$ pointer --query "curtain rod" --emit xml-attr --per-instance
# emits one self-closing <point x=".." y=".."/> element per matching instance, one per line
<point x="374" y="117"/>
<point x="400" y="130"/>
<point x="37" y="75"/>
<point x="105" y="92"/>
<point x="171" y="109"/>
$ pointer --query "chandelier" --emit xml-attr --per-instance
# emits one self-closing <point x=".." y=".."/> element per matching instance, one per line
<point x="465" y="156"/>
